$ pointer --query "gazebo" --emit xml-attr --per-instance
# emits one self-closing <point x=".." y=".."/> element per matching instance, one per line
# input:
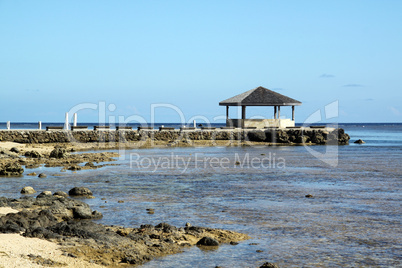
<point x="260" y="96"/>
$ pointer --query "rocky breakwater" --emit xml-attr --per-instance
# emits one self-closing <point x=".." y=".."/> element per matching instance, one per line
<point x="69" y="222"/>
<point x="281" y="136"/>
<point x="12" y="161"/>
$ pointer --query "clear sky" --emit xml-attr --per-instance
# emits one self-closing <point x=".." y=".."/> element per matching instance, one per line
<point x="56" y="56"/>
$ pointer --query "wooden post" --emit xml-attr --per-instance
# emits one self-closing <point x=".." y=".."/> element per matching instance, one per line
<point x="293" y="113"/>
<point x="279" y="112"/>
<point x="275" y="112"/>
<point x="40" y="125"/>
<point x="227" y="112"/>
<point x="243" y="115"/>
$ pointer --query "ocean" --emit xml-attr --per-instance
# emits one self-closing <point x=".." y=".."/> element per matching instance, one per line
<point x="353" y="218"/>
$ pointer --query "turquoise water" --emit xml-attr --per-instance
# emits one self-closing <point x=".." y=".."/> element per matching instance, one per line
<point x="353" y="220"/>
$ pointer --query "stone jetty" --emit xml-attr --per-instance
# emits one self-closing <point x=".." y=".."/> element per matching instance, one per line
<point x="296" y="135"/>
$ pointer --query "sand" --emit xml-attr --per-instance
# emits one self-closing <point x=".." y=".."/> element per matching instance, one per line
<point x="14" y="251"/>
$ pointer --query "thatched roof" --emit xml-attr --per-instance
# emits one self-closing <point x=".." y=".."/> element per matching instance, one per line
<point x="260" y="96"/>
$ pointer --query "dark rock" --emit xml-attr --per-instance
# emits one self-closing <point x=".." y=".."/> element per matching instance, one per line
<point x="167" y="228"/>
<point x="302" y="139"/>
<point x="11" y="169"/>
<point x="208" y="241"/>
<point x="75" y="167"/>
<point x="15" y="150"/>
<point x="90" y="164"/>
<point x="129" y="260"/>
<point x="359" y="141"/>
<point x="58" y="153"/>
<point x="282" y="137"/>
<point x="147" y="226"/>
<point x="33" y="154"/>
<point x="80" y="191"/>
<point x="82" y="212"/>
<point x="318" y="138"/>
<point x="11" y="227"/>
<point x="154" y="236"/>
<point x="42" y="175"/>
<point x="269" y="265"/>
<point x="309" y="196"/>
<point x="96" y="215"/>
<point x="342" y="137"/>
<point x="256" y="135"/>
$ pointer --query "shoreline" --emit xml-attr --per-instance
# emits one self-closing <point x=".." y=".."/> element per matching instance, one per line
<point x="48" y="231"/>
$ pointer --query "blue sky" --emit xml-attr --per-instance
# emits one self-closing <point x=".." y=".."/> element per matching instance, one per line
<point x="59" y="55"/>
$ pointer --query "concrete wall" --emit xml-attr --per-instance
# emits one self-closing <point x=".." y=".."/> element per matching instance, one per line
<point x="261" y="123"/>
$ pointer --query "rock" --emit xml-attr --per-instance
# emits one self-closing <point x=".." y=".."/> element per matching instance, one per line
<point x="207" y="241"/>
<point x="74" y="167"/>
<point x="61" y="193"/>
<point x="166" y="228"/>
<point x="269" y="265"/>
<point x="150" y="211"/>
<point x="309" y="196"/>
<point x="31" y="174"/>
<point x="28" y="190"/>
<point x="282" y="137"/>
<point x="80" y="191"/>
<point x="188" y="224"/>
<point x="11" y="169"/>
<point x="256" y="135"/>
<point x="33" y="154"/>
<point x="359" y="141"/>
<point x="15" y="150"/>
<point x="58" y="153"/>
<point x="302" y="139"/>
<point x="90" y="164"/>
<point x="82" y="212"/>
<point x="318" y="138"/>
<point x="44" y="194"/>
<point x="42" y="175"/>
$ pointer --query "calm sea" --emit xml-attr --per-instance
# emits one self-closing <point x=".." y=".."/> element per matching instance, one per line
<point x="352" y="220"/>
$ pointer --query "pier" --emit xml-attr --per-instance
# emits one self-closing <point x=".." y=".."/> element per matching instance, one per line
<point x="293" y="135"/>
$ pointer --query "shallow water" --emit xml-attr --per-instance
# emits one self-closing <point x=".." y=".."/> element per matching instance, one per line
<point x="353" y="219"/>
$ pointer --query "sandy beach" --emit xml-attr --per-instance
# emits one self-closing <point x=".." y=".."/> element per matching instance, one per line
<point x="18" y="251"/>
